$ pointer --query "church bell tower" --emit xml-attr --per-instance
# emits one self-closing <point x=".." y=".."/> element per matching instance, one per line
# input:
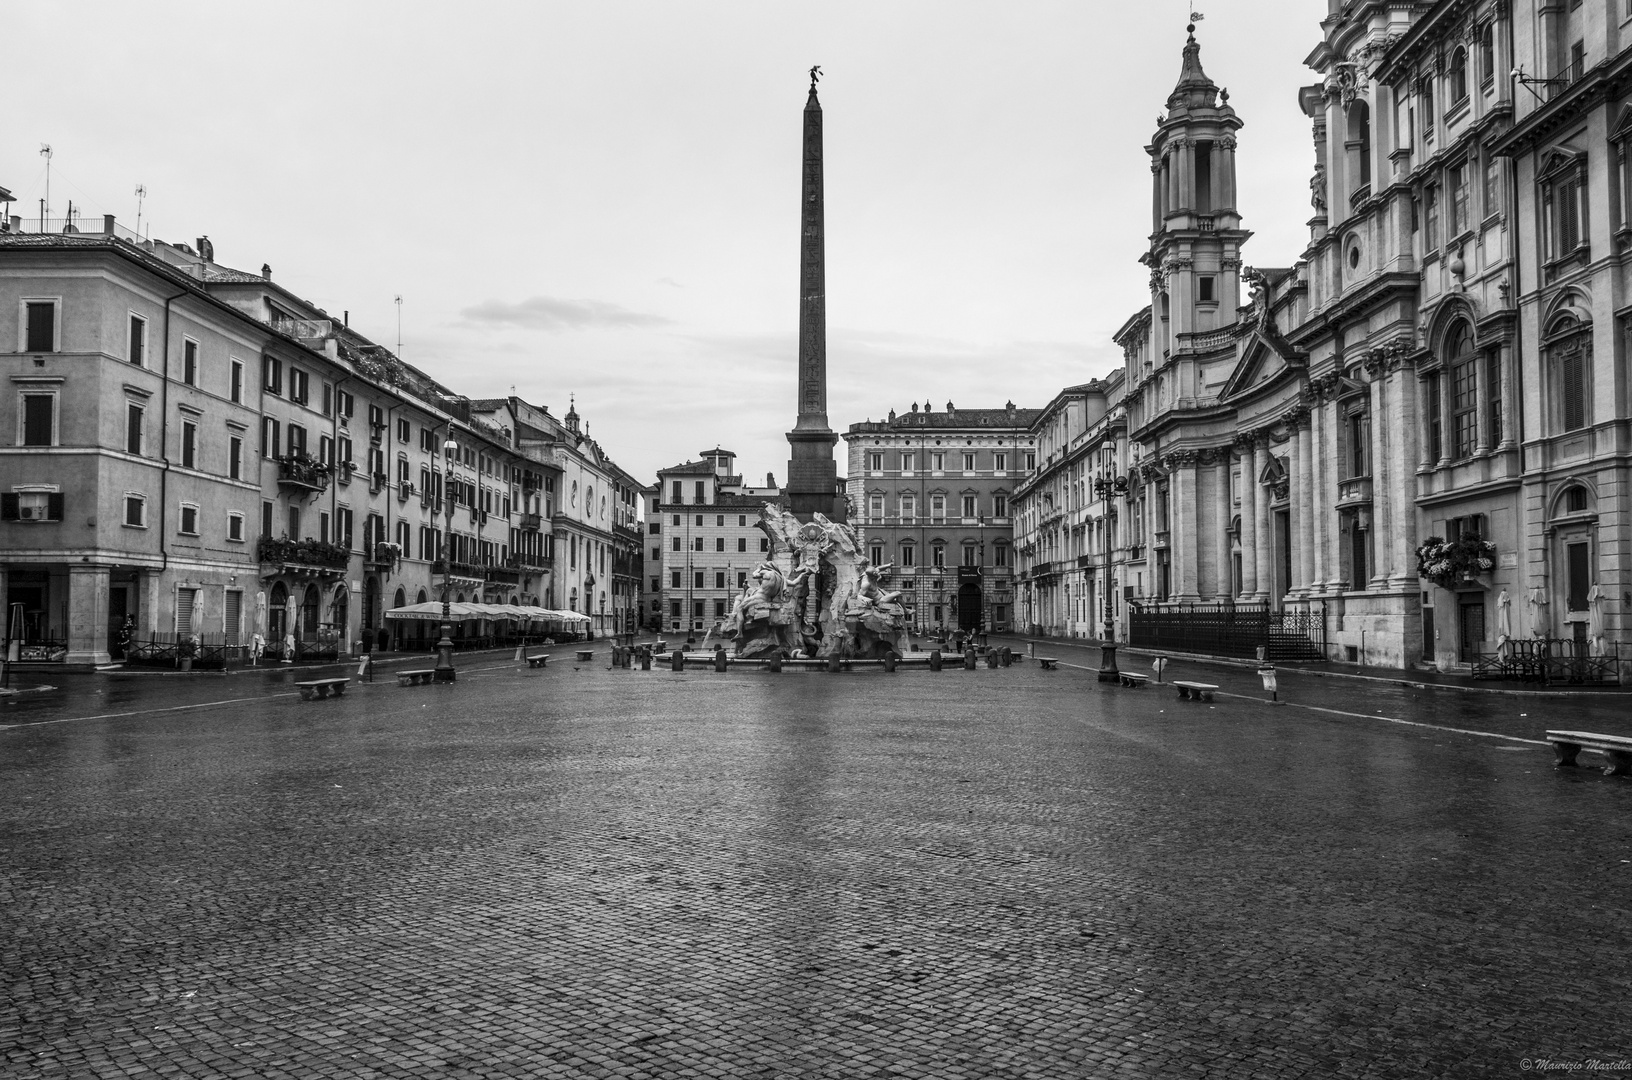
<point x="1196" y="233"/>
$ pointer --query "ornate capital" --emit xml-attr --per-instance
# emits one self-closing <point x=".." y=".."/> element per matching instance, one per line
<point x="1227" y="142"/>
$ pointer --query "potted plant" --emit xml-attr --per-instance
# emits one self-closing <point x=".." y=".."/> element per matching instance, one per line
<point x="1449" y="563"/>
<point x="186" y="650"/>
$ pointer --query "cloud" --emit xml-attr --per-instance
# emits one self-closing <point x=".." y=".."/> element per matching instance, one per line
<point x="670" y="282"/>
<point x="554" y="313"/>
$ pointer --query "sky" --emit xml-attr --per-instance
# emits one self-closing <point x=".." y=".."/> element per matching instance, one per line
<point x="601" y="199"/>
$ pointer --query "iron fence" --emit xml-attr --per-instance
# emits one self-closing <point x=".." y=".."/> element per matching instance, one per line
<point x="1235" y="630"/>
<point x="1551" y="660"/>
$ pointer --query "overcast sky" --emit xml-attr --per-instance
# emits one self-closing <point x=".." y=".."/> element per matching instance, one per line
<point x="601" y="198"/>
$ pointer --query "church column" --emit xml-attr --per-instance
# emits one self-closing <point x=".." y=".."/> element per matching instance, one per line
<point x="1382" y="439"/>
<point x="1304" y="488"/>
<point x="1263" y="552"/>
<point x="1224" y="169"/>
<point x="1510" y="407"/>
<point x="1224" y="584"/>
<point x="1401" y="493"/>
<point x="1183" y="532"/>
<point x="1320" y="418"/>
<point x="1249" y="520"/>
<point x="1186" y="161"/>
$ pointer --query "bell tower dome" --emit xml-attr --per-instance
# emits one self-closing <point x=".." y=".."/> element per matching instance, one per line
<point x="1196" y="233"/>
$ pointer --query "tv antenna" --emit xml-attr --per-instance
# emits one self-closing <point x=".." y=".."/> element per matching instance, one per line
<point x="141" y="193"/>
<point x="45" y="207"/>
<point x="397" y="300"/>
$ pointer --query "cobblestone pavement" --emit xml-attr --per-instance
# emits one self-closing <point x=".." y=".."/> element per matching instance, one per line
<point x="581" y="872"/>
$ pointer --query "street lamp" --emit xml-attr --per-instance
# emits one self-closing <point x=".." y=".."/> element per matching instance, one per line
<point x="1107" y="487"/>
<point x="444" y="648"/>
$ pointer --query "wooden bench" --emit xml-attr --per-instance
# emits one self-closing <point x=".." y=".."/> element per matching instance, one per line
<point x="585" y="655"/>
<point x="1048" y="662"/>
<point x="415" y="678"/>
<point x="1130" y="679"/>
<point x="538" y="661"/>
<point x="1195" y="691"/>
<point x="1617" y="748"/>
<point x="322" y="688"/>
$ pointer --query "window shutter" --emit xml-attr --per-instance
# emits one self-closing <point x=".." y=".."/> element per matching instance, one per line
<point x="9" y="507"/>
<point x="54" y="503"/>
<point x="1573" y="391"/>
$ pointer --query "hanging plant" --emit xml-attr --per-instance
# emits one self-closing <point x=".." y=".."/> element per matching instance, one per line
<point x="1448" y="563"/>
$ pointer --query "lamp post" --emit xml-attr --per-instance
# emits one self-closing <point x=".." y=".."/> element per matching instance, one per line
<point x="444" y="648"/>
<point x="1107" y="487"/>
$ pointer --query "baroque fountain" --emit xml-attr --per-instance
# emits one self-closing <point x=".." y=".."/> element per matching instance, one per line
<point x="816" y="597"/>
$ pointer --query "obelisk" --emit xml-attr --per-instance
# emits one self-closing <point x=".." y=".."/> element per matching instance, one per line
<point x="812" y="478"/>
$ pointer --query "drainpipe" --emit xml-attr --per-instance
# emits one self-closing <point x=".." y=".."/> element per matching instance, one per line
<point x="164" y="441"/>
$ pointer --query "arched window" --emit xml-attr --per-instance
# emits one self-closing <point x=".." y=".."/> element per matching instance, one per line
<point x="1457" y="77"/>
<point x="1359" y="146"/>
<point x="1569" y="348"/>
<point x="1575" y="500"/>
<point x="1462" y="366"/>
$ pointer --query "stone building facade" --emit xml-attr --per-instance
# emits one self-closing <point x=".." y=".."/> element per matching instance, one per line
<point x="704" y="542"/>
<point x="930" y="495"/>
<point x="1444" y="361"/>
<point x="201" y="451"/>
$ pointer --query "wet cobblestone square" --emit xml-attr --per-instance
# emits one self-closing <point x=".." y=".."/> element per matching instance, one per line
<point x="584" y="872"/>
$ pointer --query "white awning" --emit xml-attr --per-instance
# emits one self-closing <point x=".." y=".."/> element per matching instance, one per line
<point x="432" y="612"/>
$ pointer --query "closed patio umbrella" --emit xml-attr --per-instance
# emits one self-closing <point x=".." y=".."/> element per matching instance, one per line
<point x="1504" y="622"/>
<point x="1595" y="619"/>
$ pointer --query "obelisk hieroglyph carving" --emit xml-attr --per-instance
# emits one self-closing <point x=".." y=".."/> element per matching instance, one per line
<point x="812" y="477"/>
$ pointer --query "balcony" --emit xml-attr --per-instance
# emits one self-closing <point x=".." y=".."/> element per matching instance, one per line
<point x="405" y="492"/>
<point x="385" y="556"/>
<point x="303" y="556"/>
<point x="1161" y="538"/>
<point x="304" y="329"/>
<point x="460" y="573"/>
<point x="526" y="563"/>
<point x="1353" y="492"/>
<point x="502" y="575"/>
<point x="302" y="473"/>
<point x="531" y="522"/>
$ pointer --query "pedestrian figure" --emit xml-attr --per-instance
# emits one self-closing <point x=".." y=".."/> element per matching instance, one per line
<point x="127" y="633"/>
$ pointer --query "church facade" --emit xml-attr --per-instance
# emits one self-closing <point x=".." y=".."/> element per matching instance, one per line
<point x="1413" y="440"/>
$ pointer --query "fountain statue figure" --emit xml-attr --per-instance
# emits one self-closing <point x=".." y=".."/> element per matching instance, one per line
<point x="817" y="596"/>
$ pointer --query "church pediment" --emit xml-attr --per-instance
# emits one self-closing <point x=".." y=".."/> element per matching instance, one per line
<point x="1263" y="357"/>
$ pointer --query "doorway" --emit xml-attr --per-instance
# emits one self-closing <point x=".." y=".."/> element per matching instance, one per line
<point x="1471" y="629"/>
<point x="969" y="608"/>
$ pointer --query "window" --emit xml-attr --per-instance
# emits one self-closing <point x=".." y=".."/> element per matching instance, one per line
<point x="189" y="520"/>
<point x="235" y="528"/>
<point x="1493" y="393"/>
<point x="1204" y="290"/>
<point x="697" y="579"/>
<point x="1436" y="441"/>
<point x="764" y="543"/>
<point x="909" y="555"/>
<point x="674" y="610"/>
<point x="1578" y="62"/>
<point x="297" y="441"/>
<point x="1462" y="364"/>
<point x="875" y="462"/>
<point x="405" y="431"/>
<point x="345" y="404"/>
<point x="1000" y="462"/>
<point x="697" y="543"/>
<point x="742" y="521"/>
<point x="299" y="384"/>
<point x="719" y="609"/>
<point x="1457" y="181"/>
<point x="189" y="362"/>
<point x="968" y="506"/>
<point x="1031" y="460"/>
<point x="937" y="508"/>
<point x="1493" y="185"/>
<point x="875" y="508"/>
<point x="971" y="555"/>
<point x="719" y="579"/>
<point x="907" y="461"/>
<point x="266" y="518"/>
<point x="909" y="507"/>
<point x="189" y="444"/>
<point x="1562" y="222"/>
<point x="135" y="511"/>
<point x="1430" y="205"/>
<point x="700" y="493"/>
<point x="133" y="428"/>
<point x="875" y="554"/>
<point x="1457" y="78"/>
<point x="719" y="543"/>
<point x="938" y="459"/>
<point x="137" y="353"/>
<point x="293" y="522"/>
<point x="41" y="333"/>
<point x="1487" y="54"/>
<point x="1000" y="555"/>
<point x="674" y="579"/>
<point x="272" y="375"/>
<point x="1000" y="507"/>
<point x="676" y="542"/>
<point x="1575" y="500"/>
<point x="742" y="543"/>
<point x="1359" y="435"/>
<point x="39" y="420"/>
<point x="742" y="579"/>
<point x="238" y="381"/>
<point x="1569" y="346"/>
<point x="269" y="438"/>
<point x="937" y="555"/>
<point x="719" y="521"/>
<point x="31" y="505"/>
<point x="968" y="462"/>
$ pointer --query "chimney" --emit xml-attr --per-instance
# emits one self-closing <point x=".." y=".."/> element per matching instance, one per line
<point x="206" y="250"/>
<point x="949" y="409"/>
<point x="266" y="271"/>
<point x="345" y="318"/>
<point x="892" y="416"/>
<point x="914" y="406"/>
<point x="770" y="480"/>
<point x="107" y="224"/>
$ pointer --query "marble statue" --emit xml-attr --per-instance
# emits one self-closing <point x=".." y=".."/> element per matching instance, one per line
<point x="817" y="596"/>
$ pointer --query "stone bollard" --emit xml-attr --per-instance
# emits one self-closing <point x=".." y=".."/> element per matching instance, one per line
<point x="645" y="659"/>
<point x="1031" y="648"/>
<point x="1008" y="656"/>
<point x="891" y="659"/>
<point x="774" y="663"/>
<point x="992" y="659"/>
<point x="719" y="658"/>
<point x="833" y="662"/>
<point x="617" y="656"/>
<point x="935" y="660"/>
<point x="969" y="658"/>
<point x="677" y="661"/>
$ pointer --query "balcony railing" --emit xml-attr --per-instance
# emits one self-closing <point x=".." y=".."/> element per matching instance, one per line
<point x="1355" y="491"/>
<point x="305" y="329"/>
<point x="469" y="571"/>
<point x="531" y="522"/>
<point x="306" y="473"/>
<point x="303" y="553"/>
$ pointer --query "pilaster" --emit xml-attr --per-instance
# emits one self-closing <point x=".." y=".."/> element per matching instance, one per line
<point x="88" y="614"/>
